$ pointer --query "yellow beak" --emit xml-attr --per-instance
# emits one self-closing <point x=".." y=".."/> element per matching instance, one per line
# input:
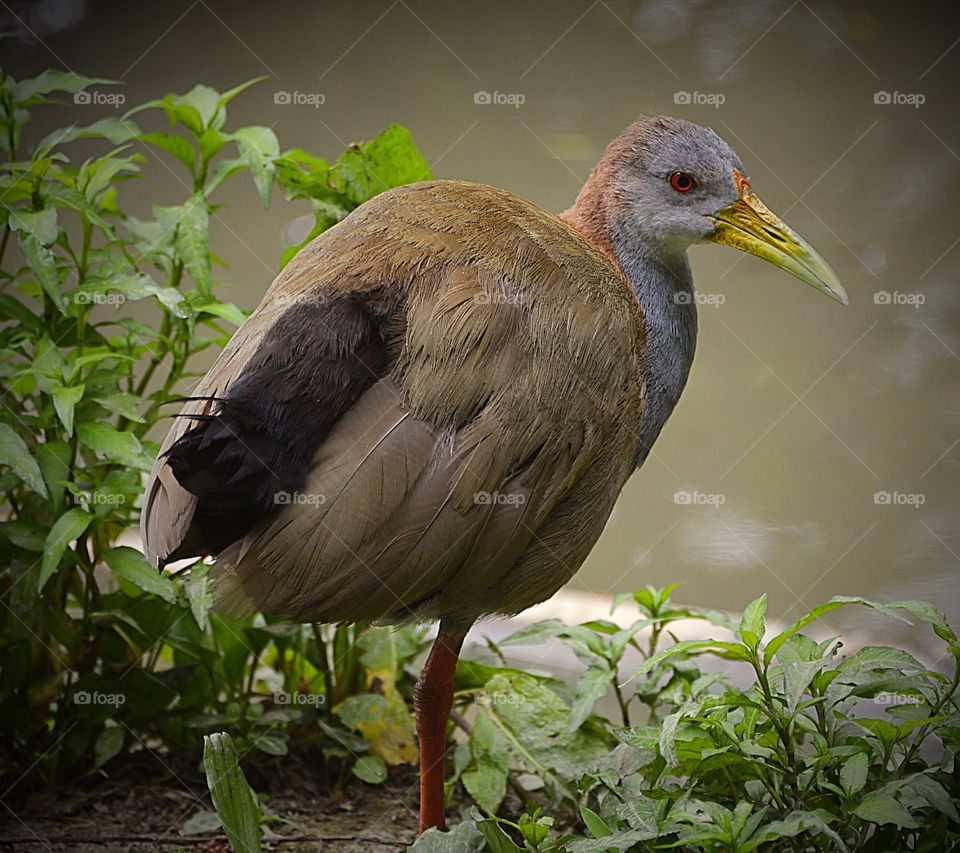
<point x="750" y="226"/>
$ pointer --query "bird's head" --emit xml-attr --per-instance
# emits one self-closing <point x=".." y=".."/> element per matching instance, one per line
<point x="665" y="184"/>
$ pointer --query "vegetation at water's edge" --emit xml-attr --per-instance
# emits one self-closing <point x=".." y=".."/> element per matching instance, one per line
<point x="102" y="313"/>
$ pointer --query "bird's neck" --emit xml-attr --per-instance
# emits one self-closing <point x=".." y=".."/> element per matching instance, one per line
<point x="664" y="288"/>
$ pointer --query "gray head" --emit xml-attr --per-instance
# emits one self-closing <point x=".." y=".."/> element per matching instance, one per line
<point x="665" y="183"/>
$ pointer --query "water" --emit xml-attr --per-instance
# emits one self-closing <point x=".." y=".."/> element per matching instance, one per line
<point x="798" y="411"/>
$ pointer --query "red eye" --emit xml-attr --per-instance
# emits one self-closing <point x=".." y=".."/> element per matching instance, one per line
<point x="682" y="182"/>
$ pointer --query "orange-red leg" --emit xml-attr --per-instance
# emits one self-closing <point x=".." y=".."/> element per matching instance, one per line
<point x="432" y="700"/>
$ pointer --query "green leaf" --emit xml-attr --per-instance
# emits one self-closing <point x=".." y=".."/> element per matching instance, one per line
<point x="42" y="224"/>
<point x="732" y="650"/>
<point x="591" y="686"/>
<point x="65" y="400"/>
<point x="178" y="146"/>
<point x="191" y="239"/>
<point x="66" y="528"/>
<point x="816" y="613"/>
<point x="109" y="743"/>
<point x="879" y="807"/>
<point x="497" y="840"/>
<point x="43" y="265"/>
<point x="258" y="148"/>
<point x="225" y="311"/>
<point x="752" y="626"/>
<point x="368" y="168"/>
<point x="130" y="564"/>
<point x="116" y="445"/>
<point x="371" y="769"/>
<point x="53" y="80"/>
<point x="231" y="793"/>
<point x="114" y="129"/>
<point x="853" y="773"/>
<point x="15" y="454"/>
<point x="463" y="838"/>
<point x="594" y="823"/>
<point x="199" y="593"/>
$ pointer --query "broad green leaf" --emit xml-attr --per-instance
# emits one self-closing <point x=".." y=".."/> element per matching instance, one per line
<point x="108" y="745"/>
<point x="199" y="593"/>
<point x="881" y="808"/>
<point x="497" y="840"/>
<point x="368" y="168"/>
<point x="131" y="565"/>
<point x="486" y="781"/>
<point x="853" y="773"/>
<point x="463" y="838"/>
<point x="114" y="129"/>
<point x="43" y="265"/>
<point x="231" y="794"/>
<point x="65" y="400"/>
<point x="191" y="239"/>
<point x="594" y="823"/>
<point x="258" y="148"/>
<point x="66" y="528"/>
<point x="370" y="768"/>
<point x="178" y="146"/>
<point x="53" y="80"/>
<point x="15" y="454"/>
<point x="116" y="445"/>
<point x="732" y="650"/>
<point x="751" y="622"/>
<point x="42" y="224"/>
<point x="816" y="613"/>
<point x="592" y="685"/>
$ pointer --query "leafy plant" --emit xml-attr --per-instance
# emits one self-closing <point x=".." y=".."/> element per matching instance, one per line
<point x="102" y="314"/>
<point x="799" y="759"/>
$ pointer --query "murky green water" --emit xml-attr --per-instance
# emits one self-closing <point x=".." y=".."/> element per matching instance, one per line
<point x="798" y="411"/>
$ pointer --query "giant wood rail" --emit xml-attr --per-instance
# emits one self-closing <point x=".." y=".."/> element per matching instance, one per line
<point x="433" y="410"/>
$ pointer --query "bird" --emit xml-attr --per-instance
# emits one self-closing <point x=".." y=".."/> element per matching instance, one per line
<point x="431" y="413"/>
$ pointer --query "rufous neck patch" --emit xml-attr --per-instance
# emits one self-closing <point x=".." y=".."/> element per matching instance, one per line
<point x="743" y="185"/>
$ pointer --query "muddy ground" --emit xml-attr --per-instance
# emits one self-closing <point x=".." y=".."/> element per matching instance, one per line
<point x="134" y="810"/>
